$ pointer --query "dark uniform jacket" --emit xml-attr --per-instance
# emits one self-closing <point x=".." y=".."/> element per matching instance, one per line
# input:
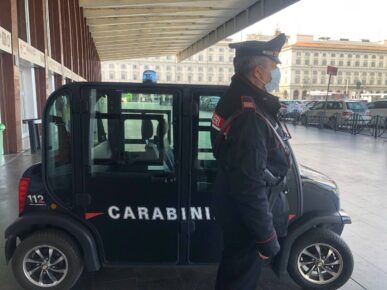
<point x="241" y="191"/>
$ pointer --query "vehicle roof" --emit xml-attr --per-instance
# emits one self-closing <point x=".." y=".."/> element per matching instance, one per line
<point x="381" y="100"/>
<point x="145" y="85"/>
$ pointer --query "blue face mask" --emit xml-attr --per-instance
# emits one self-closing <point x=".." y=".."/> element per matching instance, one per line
<point x="275" y="80"/>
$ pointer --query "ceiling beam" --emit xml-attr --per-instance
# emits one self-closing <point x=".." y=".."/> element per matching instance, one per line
<point x="138" y="43"/>
<point x="95" y="22"/>
<point x="140" y="33"/>
<point x="142" y="48"/>
<point x="156" y="36"/>
<point x="120" y="3"/>
<point x="171" y="38"/>
<point x="166" y="25"/>
<point x="135" y="55"/>
<point x="149" y="44"/>
<point x="116" y="12"/>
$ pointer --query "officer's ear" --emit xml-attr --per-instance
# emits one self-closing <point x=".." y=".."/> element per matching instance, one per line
<point x="258" y="72"/>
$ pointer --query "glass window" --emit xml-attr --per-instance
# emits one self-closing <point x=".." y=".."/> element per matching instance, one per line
<point x="130" y="132"/>
<point x="380" y="105"/>
<point x="335" y="106"/>
<point x="221" y="58"/>
<point x="59" y="165"/>
<point x="123" y="66"/>
<point x="318" y="106"/>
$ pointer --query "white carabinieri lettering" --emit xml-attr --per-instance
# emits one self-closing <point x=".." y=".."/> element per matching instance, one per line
<point x="157" y="213"/>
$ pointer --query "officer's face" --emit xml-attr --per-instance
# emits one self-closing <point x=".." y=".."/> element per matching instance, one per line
<point x="264" y="72"/>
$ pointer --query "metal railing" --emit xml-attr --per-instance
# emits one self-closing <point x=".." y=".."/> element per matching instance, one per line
<point x="375" y="126"/>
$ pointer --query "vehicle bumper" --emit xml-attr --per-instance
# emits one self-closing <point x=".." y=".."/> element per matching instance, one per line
<point x="346" y="219"/>
<point x="10" y="246"/>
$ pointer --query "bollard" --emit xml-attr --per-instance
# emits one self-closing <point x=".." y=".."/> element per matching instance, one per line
<point x="2" y="128"/>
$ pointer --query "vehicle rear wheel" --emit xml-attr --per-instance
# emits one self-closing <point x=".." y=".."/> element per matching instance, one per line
<point x="332" y="123"/>
<point x="48" y="259"/>
<point x="320" y="259"/>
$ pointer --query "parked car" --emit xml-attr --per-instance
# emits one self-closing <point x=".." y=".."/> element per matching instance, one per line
<point x="378" y="108"/>
<point x="129" y="186"/>
<point x="290" y="108"/>
<point x="336" y="111"/>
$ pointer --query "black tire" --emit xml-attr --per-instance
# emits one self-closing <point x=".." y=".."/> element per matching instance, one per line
<point x="303" y="120"/>
<point x="332" y="123"/>
<point x="331" y="239"/>
<point x="56" y="239"/>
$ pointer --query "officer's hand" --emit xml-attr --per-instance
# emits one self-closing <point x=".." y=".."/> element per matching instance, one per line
<point x="262" y="256"/>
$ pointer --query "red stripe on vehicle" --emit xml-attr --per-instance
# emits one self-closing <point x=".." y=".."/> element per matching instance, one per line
<point x="90" y="215"/>
<point x="292" y="216"/>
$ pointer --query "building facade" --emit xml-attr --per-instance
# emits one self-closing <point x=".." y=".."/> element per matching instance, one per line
<point x="362" y="67"/>
<point x="43" y="44"/>
<point x="213" y="65"/>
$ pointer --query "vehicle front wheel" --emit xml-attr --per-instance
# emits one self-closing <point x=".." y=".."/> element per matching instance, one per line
<point x="320" y="259"/>
<point x="48" y="259"/>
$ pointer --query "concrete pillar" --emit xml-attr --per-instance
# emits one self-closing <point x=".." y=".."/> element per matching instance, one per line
<point x="10" y="80"/>
<point x="38" y="32"/>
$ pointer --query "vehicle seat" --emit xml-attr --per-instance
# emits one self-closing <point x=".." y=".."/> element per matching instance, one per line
<point x="151" y="151"/>
<point x="167" y="153"/>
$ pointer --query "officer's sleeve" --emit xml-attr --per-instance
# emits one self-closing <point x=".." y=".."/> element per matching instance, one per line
<point x="248" y="187"/>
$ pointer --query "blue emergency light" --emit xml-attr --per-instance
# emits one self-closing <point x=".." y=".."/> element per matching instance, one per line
<point x="149" y="76"/>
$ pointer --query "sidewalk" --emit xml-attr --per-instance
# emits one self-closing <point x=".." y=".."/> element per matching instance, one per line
<point x="357" y="163"/>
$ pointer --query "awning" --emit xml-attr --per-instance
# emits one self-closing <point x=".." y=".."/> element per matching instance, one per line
<point x="124" y="29"/>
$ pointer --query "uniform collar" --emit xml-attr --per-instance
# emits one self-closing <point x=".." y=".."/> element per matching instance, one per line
<point x="263" y="99"/>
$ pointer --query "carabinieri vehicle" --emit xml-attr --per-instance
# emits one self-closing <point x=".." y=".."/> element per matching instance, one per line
<point x="125" y="179"/>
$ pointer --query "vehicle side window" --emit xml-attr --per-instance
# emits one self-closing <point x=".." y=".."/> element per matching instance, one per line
<point x="130" y="132"/>
<point x="331" y="105"/>
<point x="338" y="106"/>
<point x="371" y="106"/>
<point x="205" y="164"/>
<point x="380" y="105"/>
<point x="318" y="106"/>
<point x="59" y="164"/>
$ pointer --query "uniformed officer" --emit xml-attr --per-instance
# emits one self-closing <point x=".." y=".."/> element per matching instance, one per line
<point x="250" y="146"/>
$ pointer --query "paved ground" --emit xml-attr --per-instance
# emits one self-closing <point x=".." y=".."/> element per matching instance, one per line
<point x="357" y="163"/>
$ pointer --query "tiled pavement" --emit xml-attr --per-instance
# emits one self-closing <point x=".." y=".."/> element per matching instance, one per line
<point x="357" y="163"/>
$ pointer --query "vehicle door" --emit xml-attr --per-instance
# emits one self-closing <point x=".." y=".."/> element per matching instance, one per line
<point x="315" y="112"/>
<point x="131" y="171"/>
<point x="205" y="240"/>
<point x="380" y="109"/>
